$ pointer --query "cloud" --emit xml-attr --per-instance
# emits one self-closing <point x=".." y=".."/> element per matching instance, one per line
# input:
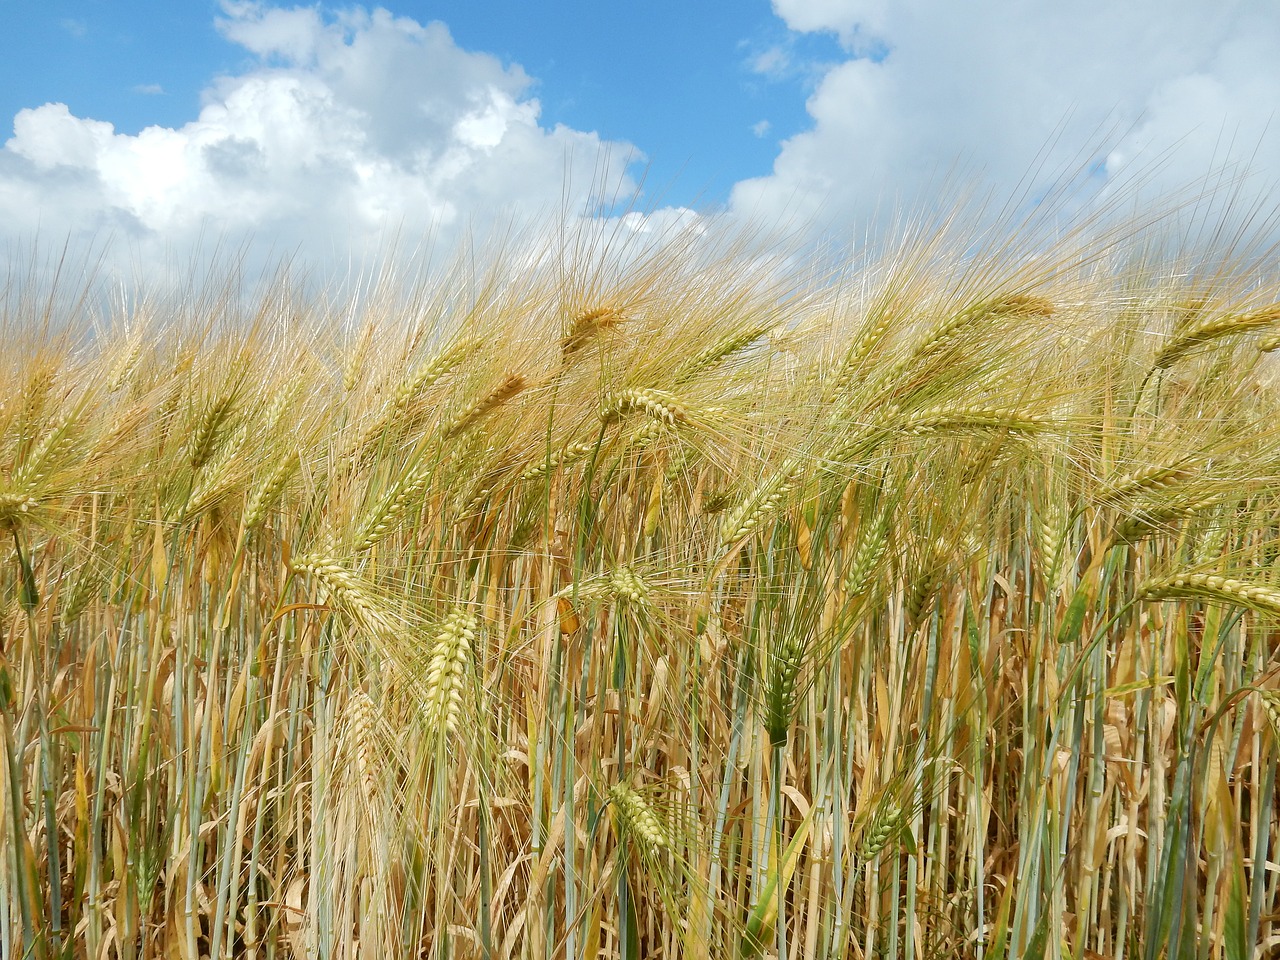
<point x="1004" y="90"/>
<point x="773" y="62"/>
<point x="344" y="129"/>
<point x="76" y="27"/>
<point x="760" y="127"/>
<point x="149" y="89"/>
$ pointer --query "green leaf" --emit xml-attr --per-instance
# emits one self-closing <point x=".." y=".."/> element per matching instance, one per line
<point x="759" y="932"/>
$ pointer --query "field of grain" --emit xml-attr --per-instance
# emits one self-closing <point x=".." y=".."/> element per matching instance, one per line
<point x="650" y="599"/>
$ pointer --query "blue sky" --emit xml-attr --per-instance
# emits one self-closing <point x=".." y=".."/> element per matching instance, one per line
<point x="320" y="128"/>
<point x="680" y="80"/>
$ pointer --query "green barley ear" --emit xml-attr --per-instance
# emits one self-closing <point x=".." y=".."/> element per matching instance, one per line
<point x="393" y="504"/>
<point x="430" y="372"/>
<point x="363" y="743"/>
<point x="1148" y="480"/>
<point x="947" y="333"/>
<point x="86" y="587"/>
<point x="1270" y="701"/>
<point x="1149" y="520"/>
<point x="1052" y="530"/>
<point x="32" y="480"/>
<point x="634" y="818"/>
<point x="887" y="824"/>
<point x="444" y="683"/>
<point x="623" y="585"/>
<point x="782" y="668"/>
<point x="208" y="436"/>
<point x="629" y="587"/>
<point x="15" y="506"/>
<point x="566" y="455"/>
<point x="926" y="581"/>
<point x="873" y="540"/>
<point x="269" y="490"/>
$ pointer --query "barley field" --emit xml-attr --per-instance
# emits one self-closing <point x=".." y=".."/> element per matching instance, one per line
<point x="650" y="597"/>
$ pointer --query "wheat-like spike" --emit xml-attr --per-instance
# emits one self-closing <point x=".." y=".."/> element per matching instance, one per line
<point x="942" y="419"/>
<point x="649" y="433"/>
<point x="870" y="550"/>
<point x="1207" y="586"/>
<point x="40" y="462"/>
<point x="886" y="824"/>
<point x="444" y="683"/>
<point x="13" y="506"/>
<point x="391" y="506"/>
<point x="216" y="477"/>
<point x="362" y="727"/>
<point x="622" y="584"/>
<point x="123" y="368"/>
<point x="411" y="388"/>
<point x="633" y="817"/>
<point x="1270" y="700"/>
<point x="1051" y="533"/>
<point x="280" y="403"/>
<point x="268" y="490"/>
<point x="353" y="369"/>
<point x="1147" y="520"/>
<point x="1149" y="479"/>
<point x="658" y="404"/>
<point x="679" y="464"/>
<point x="430" y="372"/>
<point x="1212" y="329"/>
<point x="1269" y="343"/>
<point x="762" y="501"/>
<point x="720" y="351"/>
<point x="33" y="400"/>
<point x="560" y="458"/>
<point x="1013" y="305"/>
<point x="856" y="356"/>
<point x="482" y="407"/>
<point x="782" y="669"/>
<point x="587" y="326"/>
<point x="347" y="590"/>
<point x="86" y="586"/>
<point x="205" y="439"/>
<point x="629" y="587"/>
<point x="926" y="582"/>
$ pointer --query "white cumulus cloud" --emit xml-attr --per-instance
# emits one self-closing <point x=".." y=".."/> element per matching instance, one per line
<point x="345" y="128"/>
<point x="1004" y="89"/>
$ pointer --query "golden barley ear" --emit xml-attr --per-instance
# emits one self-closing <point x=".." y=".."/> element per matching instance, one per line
<point x="443" y="684"/>
<point x="587" y="326"/>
